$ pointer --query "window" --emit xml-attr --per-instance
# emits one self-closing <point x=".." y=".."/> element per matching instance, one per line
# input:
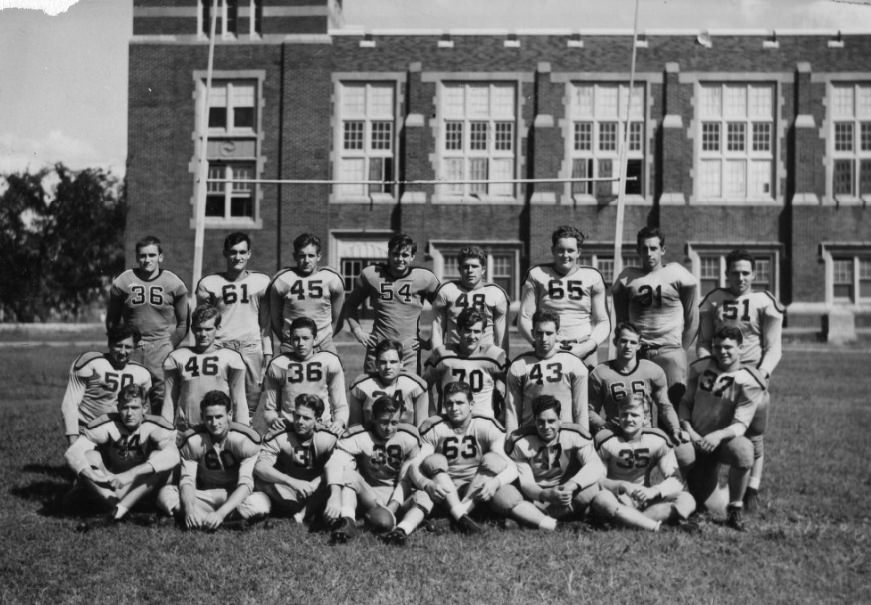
<point x="503" y="262"/>
<point x="851" y="139"/>
<point x="230" y="199"/>
<point x="232" y="106"/>
<point x="366" y="138"/>
<point x="351" y="268"/>
<point x="598" y="131"/>
<point x="227" y="21"/>
<point x="601" y="257"/>
<point x="709" y="265"/>
<point x="848" y="272"/>
<point x="735" y="142"/>
<point x="478" y="138"/>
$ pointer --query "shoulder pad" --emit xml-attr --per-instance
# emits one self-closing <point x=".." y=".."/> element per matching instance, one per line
<point x="659" y="433"/>
<point x="757" y="376"/>
<point x="192" y="432"/>
<point x="603" y="436"/>
<point x="159" y="421"/>
<point x="325" y="431"/>
<point x="521" y="432"/>
<point x="498" y="287"/>
<point x="272" y="434"/>
<point x="245" y="430"/>
<point x="85" y="358"/>
<point x="101" y="420"/>
<point x="489" y="419"/>
<point x="430" y="423"/>
<point x="417" y="268"/>
<point x="709" y="294"/>
<point x="576" y="428"/>
<point x="701" y="362"/>
<point x="775" y="302"/>
<point x="353" y="430"/>
<point x="420" y="381"/>
<point x="330" y="353"/>
<point x="524" y="356"/>
<point x="409" y="430"/>
<point x="361" y="378"/>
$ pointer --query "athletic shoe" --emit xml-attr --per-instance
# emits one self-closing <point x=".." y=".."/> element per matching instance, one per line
<point x="690" y="526"/>
<point x="467" y="526"/>
<point x="396" y="537"/>
<point x="733" y="518"/>
<point x="344" y="531"/>
<point x="751" y="500"/>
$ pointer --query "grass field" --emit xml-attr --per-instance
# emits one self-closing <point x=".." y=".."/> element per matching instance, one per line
<point x="810" y="542"/>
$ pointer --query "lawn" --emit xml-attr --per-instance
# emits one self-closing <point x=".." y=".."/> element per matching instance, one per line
<point x="809" y="543"/>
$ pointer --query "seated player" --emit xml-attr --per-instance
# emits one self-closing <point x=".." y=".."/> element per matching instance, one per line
<point x="191" y="372"/>
<point x="462" y="461"/>
<point x="379" y="451"/>
<point x="290" y="466"/>
<point x="409" y="390"/>
<point x="720" y="402"/>
<point x="302" y="371"/>
<point x="217" y="464"/>
<point x="97" y="378"/>
<point x="122" y="457"/>
<point x="630" y="453"/>
<point x="619" y="378"/>
<point x="479" y="365"/>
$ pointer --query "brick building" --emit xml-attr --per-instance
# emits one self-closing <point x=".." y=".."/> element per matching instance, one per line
<point x="753" y="139"/>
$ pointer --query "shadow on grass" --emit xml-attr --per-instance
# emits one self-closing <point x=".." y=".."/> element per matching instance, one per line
<point x="59" y="471"/>
<point x="48" y="493"/>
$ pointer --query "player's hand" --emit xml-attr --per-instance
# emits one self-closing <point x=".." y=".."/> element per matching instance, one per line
<point x="278" y="424"/>
<point x="211" y="521"/>
<point x="436" y="492"/>
<point x="710" y="442"/>
<point x="642" y="495"/>
<point x="333" y="509"/>
<point x="304" y="488"/>
<point x="487" y="490"/>
<point x="337" y="427"/>
<point x="680" y="437"/>
<point x="120" y="480"/>
<point x="564" y="495"/>
<point x="193" y="519"/>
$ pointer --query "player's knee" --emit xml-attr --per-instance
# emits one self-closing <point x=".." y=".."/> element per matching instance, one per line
<point x="684" y="505"/>
<point x="256" y="504"/>
<point x="686" y="455"/>
<point x="584" y="498"/>
<point x="492" y="464"/>
<point x="168" y="499"/>
<point x="739" y="452"/>
<point x="433" y="464"/>
<point x="506" y="499"/>
<point x="605" y="504"/>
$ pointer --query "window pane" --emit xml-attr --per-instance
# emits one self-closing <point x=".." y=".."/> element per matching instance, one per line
<point x="478" y="100"/>
<point x="502" y="101"/>
<point x="582" y="100"/>
<point x="710" y="136"/>
<point x="478" y="171"/>
<point x="735" y="102"/>
<point x="761" y="136"/>
<point x="351" y="169"/>
<point x="232" y="14"/>
<point x="865" y="177"/>
<point x="607" y="136"/>
<point x="501" y="170"/>
<point x="454" y="172"/>
<point x="216" y="171"/>
<point x="353" y="137"/>
<point x="242" y="172"/>
<point x="605" y="265"/>
<point x="478" y="136"/>
<point x="215" y="205"/>
<point x="843" y="136"/>
<point x="761" y="101"/>
<point x="863" y="100"/>
<point x="842" y="101"/>
<point x="583" y="136"/>
<point x="760" y="178"/>
<point x="382" y="135"/>
<point x="503" y="265"/>
<point x="581" y="169"/>
<point x="735" y="178"/>
<point x="243" y="117"/>
<point x="380" y="100"/>
<point x="762" y="268"/>
<point x="451" y="269"/>
<point x="606" y="170"/>
<point x="711" y="101"/>
<point x="453" y="136"/>
<point x="635" y="129"/>
<point x="709" y="267"/>
<point x="633" y="171"/>
<point x="865" y="268"/>
<point x="242" y="206"/>
<point x="217" y="117"/>
<point x="735" y="136"/>
<point x="709" y="178"/>
<point x="865" y="136"/>
<point x="353" y="100"/>
<point x="504" y="136"/>
<point x="380" y="169"/>
<point x="454" y="105"/>
<point x="607" y="101"/>
<point x="842" y="270"/>
<point x="842" y="182"/>
<point x="242" y="95"/>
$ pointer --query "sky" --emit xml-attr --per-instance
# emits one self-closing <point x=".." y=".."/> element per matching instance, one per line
<point x="63" y="63"/>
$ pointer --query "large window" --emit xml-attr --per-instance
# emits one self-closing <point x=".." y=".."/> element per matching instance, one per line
<point x="598" y="131"/>
<point x="367" y="138"/>
<point x="477" y="138"/>
<point x="850" y="139"/>
<point x="227" y="25"/>
<point x="709" y="266"/>
<point x="232" y="107"/>
<point x="735" y="142"/>
<point x="848" y="273"/>
<point x="503" y="262"/>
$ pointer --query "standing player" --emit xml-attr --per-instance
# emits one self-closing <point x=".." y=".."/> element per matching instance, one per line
<point x="97" y="378"/>
<point x="622" y="377"/>
<point x="123" y="456"/>
<point x="760" y="318"/>
<point x="154" y="301"/>
<point x="470" y="292"/>
<point x="239" y="294"/>
<point x="191" y="372"/>
<point x="217" y="466"/>
<point x="661" y="301"/>
<point x="307" y="290"/>
<point x="479" y="365"/>
<point x="573" y="292"/>
<point x="548" y="370"/>
<point x="719" y="404"/>
<point x="397" y="292"/>
<point x="303" y="371"/>
<point x="408" y="390"/>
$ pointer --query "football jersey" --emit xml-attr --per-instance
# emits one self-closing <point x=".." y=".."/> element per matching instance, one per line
<point x="404" y="390"/>
<point x="634" y="460"/>
<point x="570" y="455"/>
<point x="379" y="462"/>
<point x="655" y="305"/>
<point x="302" y="459"/>
<point x="321" y="375"/>
<point x="149" y="305"/>
<point x="238" y="301"/>
<point x="569" y="296"/>
<point x="463" y="448"/>
<point x="722" y="398"/>
<point x="93" y="387"/>
<point x="481" y="371"/>
<point x="562" y="375"/>
<point x="121" y="449"/>
<point x="226" y="464"/>
<point x="747" y="312"/>
<point x="609" y="386"/>
<point x="397" y="302"/>
<point x="452" y="298"/>
<point x="193" y="374"/>
<point x="293" y="295"/>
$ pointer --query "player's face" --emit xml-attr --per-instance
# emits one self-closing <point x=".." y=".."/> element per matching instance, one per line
<point x="120" y="351"/>
<point x="399" y="260"/>
<point x="565" y="254"/>
<point x="458" y="408"/>
<point x="149" y="259"/>
<point x="726" y="352"/>
<point x="470" y="336"/>
<point x="547" y="425"/>
<point x="544" y="335"/>
<point x="303" y="342"/>
<point x="651" y="251"/>
<point x="631" y="420"/>
<point x="388" y="365"/>
<point x="385" y="425"/>
<point x="131" y="413"/>
<point x="740" y="276"/>
<point x="204" y="333"/>
<point x="237" y="257"/>
<point x="307" y="259"/>
<point x="217" y="421"/>
<point x="627" y="344"/>
<point x="471" y="272"/>
<point x="304" y="420"/>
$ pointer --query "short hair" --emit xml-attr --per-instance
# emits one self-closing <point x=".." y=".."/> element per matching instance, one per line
<point x="736" y="255"/>
<point x="542" y="316"/>
<point x="306" y="239"/>
<point x="205" y="312"/>
<point x="303" y="322"/>
<point x="129" y="393"/>
<point x="385" y="404"/>
<point x="470" y="316"/>
<point x="634" y="400"/>
<point x="121" y="332"/>
<point x="311" y="401"/>
<point x="237" y="237"/>
<point x="215" y="397"/>
<point x="472" y="252"/>
<point x="388" y="345"/>
<point x="566" y="231"/>
<point x="543" y="403"/>
<point x="647" y="233"/>
<point x="457" y="387"/>
<point x="400" y="241"/>
<point x="624" y="326"/>
<point x="729" y="332"/>
<point x="148" y="240"/>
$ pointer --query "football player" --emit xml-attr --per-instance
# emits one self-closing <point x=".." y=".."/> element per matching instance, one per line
<point x="240" y="295"/>
<point x="760" y="317"/>
<point x="575" y="293"/>
<point x="97" y="378"/>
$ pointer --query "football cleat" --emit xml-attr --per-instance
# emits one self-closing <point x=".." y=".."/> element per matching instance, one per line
<point x="689" y="526"/>
<point x="467" y="526"/>
<point x="733" y="518"/>
<point x="751" y="500"/>
<point x="396" y="537"/>
<point x="344" y="531"/>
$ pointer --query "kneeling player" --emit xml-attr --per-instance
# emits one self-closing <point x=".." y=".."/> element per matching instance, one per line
<point x="217" y="463"/>
<point x="122" y="457"/>
<point x="378" y="486"/>
<point x="630" y="454"/>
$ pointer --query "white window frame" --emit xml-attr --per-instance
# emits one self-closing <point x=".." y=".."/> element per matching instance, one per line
<point x="204" y="24"/>
<point x="597" y="254"/>
<point x="858" y="115"/>
<point x="443" y="249"/>
<point x="859" y="253"/>
<point x="697" y="250"/>
<point x="231" y="85"/>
